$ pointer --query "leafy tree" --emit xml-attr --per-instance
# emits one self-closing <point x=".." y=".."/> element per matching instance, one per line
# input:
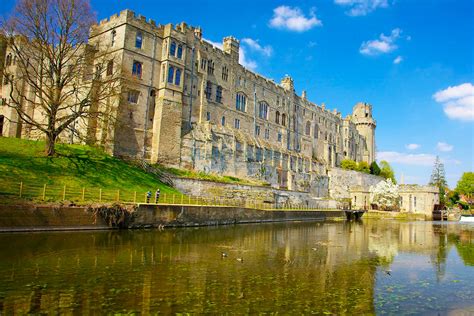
<point x="374" y="168"/>
<point x="465" y="185"/>
<point x="349" y="164"/>
<point x="363" y="167"/>
<point x="385" y="194"/>
<point x="438" y="179"/>
<point x="386" y="171"/>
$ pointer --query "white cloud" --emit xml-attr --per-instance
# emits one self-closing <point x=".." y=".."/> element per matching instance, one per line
<point x="458" y="101"/>
<point x="412" y="146"/>
<point x="293" y="19"/>
<point x="444" y="146"/>
<point x="385" y="44"/>
<point x="243" y="59"/>
<point x="361" y="7"/>
<point x="255" y="45"/>
<point x="407" y="159"/>
<point x="398" y="60"/>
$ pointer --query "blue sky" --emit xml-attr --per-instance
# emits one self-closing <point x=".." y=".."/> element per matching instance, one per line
<point x="411" y="59"/>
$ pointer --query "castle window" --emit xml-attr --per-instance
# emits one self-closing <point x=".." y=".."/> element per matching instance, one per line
<point x="110" y="68"/>
<point x="308" y="128"/>
<point x="139" y="40"/>
<point x="177" y="77"/>
<point x="258" y="154"/>
<point x="257" y="130"/>
<point x="137" y="69"/>
<point x="223" y="121"/>
<point x="279" y="137"/>
<point x="263" y="110"/>
<point x="326" y="136"/>
<point x="170" y="74"/>
<point x="277" y="117"/>
<point x="208" y="116"/>
<point x="210" y="67"/>
<point x="237" y="123"/>
<point x="8" y="60"/>
<point x="203" y="63"/>
<point x="225" y="73"/>
<point x="173" y="49"/>
<point x="219" y="94"/>
<point x="267" y="133"/>
<point x="180" y="51"/>
<point x="132" y="96"/>
<point x="283" y="119"/>
<point x="241" y="102"/>
<point x="98" y="71"/>
<point x="250" y="153"/>
<point x="208" y="90"/>
<point x="112" y="37"/>
<point x="316" y="131"/>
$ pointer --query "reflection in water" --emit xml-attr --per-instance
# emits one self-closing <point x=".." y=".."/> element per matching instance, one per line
<point x="332" y="268"/>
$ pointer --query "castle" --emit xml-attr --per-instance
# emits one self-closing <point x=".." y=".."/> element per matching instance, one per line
<point x="186" y="103"/>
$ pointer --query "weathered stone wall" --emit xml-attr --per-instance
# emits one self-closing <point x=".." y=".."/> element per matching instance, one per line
<point x="341" y="181"/>
<point x="249" y="192"/>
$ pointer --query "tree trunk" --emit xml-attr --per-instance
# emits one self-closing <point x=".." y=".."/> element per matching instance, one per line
<point x="50" y="143"/>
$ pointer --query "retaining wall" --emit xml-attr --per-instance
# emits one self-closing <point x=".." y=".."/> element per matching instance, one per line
<point x="38" y="218"/>
<point x="341" y="181"/>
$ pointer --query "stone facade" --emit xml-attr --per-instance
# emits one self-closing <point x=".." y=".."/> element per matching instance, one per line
<point x="186" y="103"/>
<point x="416" y="199"/>
<point x="342" y="181"/>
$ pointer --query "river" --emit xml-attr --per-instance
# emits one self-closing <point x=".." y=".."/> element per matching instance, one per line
<point x="369" y="267"/>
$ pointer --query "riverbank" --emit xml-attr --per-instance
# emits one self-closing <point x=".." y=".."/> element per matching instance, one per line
<point x="397" y="215"/>
<point x="29" y="217"/>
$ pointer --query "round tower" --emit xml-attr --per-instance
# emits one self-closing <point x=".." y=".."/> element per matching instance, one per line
<point x="365" y="124"/>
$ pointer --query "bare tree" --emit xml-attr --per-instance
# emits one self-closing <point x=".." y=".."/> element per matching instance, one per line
<point x="57" y="74"/>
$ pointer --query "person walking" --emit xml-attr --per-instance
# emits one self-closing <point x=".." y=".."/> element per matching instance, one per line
<point x="148" y="196"/>
<point x="157" y="196"/>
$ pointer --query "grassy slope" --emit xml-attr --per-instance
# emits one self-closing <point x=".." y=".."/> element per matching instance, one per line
<point x="75" y="165"/>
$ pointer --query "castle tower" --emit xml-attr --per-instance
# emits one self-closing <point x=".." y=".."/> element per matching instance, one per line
<point x="231" y="46"/>
<point x="365" y="124"/>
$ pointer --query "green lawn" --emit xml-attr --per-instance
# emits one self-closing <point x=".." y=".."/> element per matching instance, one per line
<point x="76" y="166"/>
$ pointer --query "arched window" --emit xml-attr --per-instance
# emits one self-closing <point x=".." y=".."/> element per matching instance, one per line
<point x="173" y="49"/>
<point x="180" y="51"/>
<point x="223" y="121"/>
<point x="283" y="119"/>
<point x="308" y="128"/>
<point x="177" y="78"/>
<point x="139" y="40"/>
<point x="112" y="37"/>
<point x="316" y="131"/>
<point x="277" y="117"/>
<point x="8" y="60"/>
<point x="326" y="136"/>
<point x="137" y="69"/>
<point x="110" y="68"/>
<point x="241" y="102"/>
<point x="263" y="110"/>
<point x="170" y="74"/>
<point x="330" y="137"/>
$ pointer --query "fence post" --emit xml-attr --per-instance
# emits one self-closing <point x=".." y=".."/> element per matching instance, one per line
<point x="100" y="195"/>
<point x="44" y="191"/>
<point x="64" y="193"/>
<point x="134" y="196"/>
<point x="118" y="195"/>
<point x="21" y="188"/>
<point x="83" y="193"/>
<point x="173" y="198"/>
<point x="182" y="199"/>
<point x="189" y="199"/>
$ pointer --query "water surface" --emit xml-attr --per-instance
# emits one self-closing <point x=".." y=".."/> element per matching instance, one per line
<point x="373" y="267"/>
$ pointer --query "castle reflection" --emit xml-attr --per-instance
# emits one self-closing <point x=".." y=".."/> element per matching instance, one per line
<point x="298" y="267"/>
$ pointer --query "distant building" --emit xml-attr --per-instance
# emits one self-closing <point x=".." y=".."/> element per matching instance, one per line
<point x="186" y="103"/>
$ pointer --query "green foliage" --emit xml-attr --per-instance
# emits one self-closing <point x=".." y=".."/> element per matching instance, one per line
<point x="465" y="185"/>
<point x="200" y="175"/>
<point x="363" y="167"/>
<point x="438" y="179"/>
<point x="452" y="198"/>
<point x="74" y="165"/>
<point x="374" y="168"/>
<point x="349" y="164"/>
<point x="386" y="171"/>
